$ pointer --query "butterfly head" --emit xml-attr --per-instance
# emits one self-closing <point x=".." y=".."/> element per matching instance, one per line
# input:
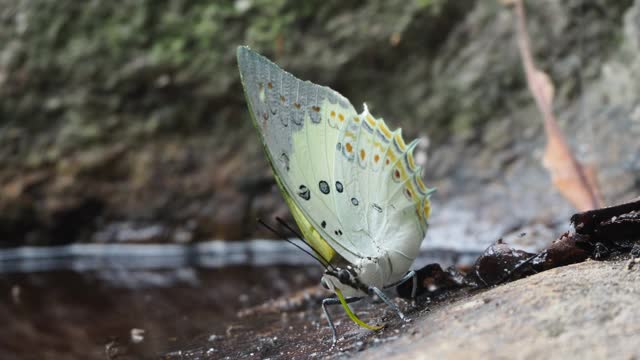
<point x="344" y="279"/>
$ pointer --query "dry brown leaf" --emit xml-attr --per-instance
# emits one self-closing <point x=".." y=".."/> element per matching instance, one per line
<point x="576" y="182"/>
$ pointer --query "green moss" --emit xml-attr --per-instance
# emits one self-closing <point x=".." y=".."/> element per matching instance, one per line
<point x="434" y="6"/>
<point x="84" y="73"/>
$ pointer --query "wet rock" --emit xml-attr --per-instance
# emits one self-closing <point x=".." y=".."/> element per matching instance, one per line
<point x="568" y="249"/>
<point x="610" y="224"/>
<point x="499" y="262"/>
<point x="433" y="281"/>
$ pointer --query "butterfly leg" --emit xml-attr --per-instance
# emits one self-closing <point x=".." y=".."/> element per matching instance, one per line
<point x="414" y="283"/>
<point x="391" y="304"/>
<point x="334" y="301"/>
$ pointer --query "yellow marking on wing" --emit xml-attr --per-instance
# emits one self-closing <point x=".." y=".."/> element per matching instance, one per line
<point x="415" y="196"/>
<point x="341" y="117"/>
<point x="391" y="157"/>
<point x="385" y="130"/>
<point x="310" y="234"/>
<point x="421" y="185"/>
<point x="411" y="161"/>
<point x="427" y="209"/>
<point x="391" y="154"/>
<point x="371" y="121"/>
<point x="400" y="141"/>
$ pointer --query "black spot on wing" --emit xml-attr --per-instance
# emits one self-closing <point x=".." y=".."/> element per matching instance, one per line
<point x="339" y="187"/>
<point x="304" y="192"/>
<point x="324" y="187"/>
<point x="284" y="160"/>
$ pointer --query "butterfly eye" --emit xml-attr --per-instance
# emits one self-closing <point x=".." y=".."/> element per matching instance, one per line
<point x="324" y="284"/>
<point x="344" y="276"/>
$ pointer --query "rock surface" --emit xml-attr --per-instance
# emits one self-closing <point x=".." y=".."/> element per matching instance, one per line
<point x="582" y="311"/>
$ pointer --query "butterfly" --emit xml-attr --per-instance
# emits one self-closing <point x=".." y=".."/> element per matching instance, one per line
<point x="352" y="184"/>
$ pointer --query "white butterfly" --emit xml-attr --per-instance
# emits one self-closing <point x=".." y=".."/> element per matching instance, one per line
<point x="352" y="184"/>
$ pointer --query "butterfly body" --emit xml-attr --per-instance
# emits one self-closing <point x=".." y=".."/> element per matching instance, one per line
<point x="351" y="183"/>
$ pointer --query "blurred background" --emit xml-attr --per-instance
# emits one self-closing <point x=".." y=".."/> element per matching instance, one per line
<point x="131" y="175"/>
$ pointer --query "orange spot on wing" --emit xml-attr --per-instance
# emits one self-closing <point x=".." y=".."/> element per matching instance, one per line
<point x="315" y="108"/>
<point x="408" y="192"/>
<point x="390" y="156"/>
<point x="371" y="121"/>
<point x="282" y="98"/>
<point x="270" y="85"/>
<point x="362" y="154"/>
<point x="297" y="105"/>
<point x="349" y="147"/>
<point x="333" y="114"/>
<point x="356" y="119"/>
<point x="341" y="117"/>
<point x="376" y="158"/>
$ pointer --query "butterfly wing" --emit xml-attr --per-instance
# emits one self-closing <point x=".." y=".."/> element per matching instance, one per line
<point x="299" y="124"/>
<point x="385" y="202"/>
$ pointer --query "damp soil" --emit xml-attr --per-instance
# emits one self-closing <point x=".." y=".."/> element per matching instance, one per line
<point x="94" y="315"/>
<point x="251" y="312"/>
<point x="71" y="306"/>
<point x="188" y="313"/>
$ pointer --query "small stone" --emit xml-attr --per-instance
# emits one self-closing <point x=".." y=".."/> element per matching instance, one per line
<point x="214" y="337"/>
<point x="137" y="335"/>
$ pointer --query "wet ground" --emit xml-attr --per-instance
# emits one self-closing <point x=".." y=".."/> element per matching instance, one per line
<point x="186" y="313"/>
<point x="162" y="302"/>
<point x="71" y="315"/>
<point x="69" y="303"/>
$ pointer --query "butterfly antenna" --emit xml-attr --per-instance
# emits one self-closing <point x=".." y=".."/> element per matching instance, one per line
<point x="284" y="223"/>
<point x="324" y="265"/>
